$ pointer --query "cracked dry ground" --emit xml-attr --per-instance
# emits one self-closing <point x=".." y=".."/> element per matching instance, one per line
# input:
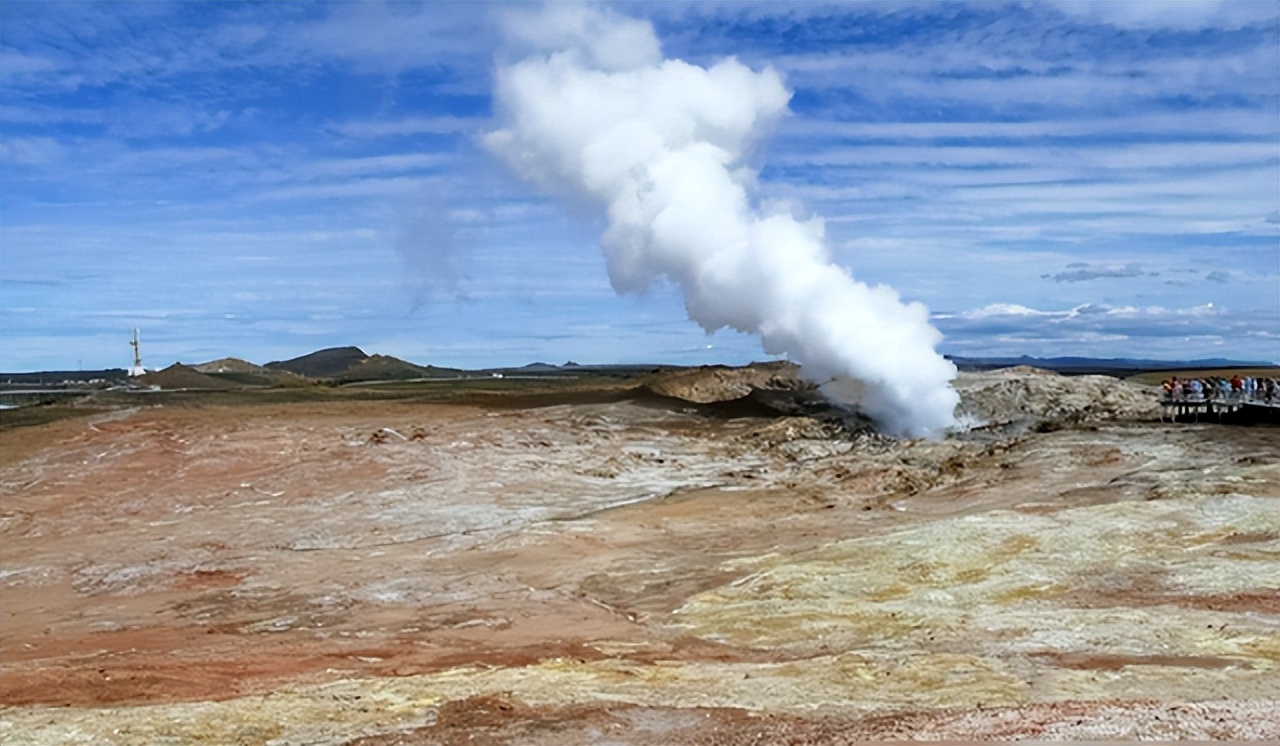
<point x="627" y="570"/>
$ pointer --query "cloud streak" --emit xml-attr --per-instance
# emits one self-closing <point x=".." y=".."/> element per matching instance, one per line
<point x="1082" y="272"/>
<point x="1175" y="333"/>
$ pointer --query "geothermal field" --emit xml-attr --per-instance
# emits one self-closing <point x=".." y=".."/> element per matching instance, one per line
<point x="709" y="556"/>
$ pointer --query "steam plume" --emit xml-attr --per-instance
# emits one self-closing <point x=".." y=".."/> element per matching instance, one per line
<point x="592" y="110"/>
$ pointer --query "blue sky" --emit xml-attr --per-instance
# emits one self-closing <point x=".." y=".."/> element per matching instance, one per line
<point x="261" y="180"/>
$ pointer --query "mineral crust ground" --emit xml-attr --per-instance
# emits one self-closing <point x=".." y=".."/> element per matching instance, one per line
<point x="615" y="565"/>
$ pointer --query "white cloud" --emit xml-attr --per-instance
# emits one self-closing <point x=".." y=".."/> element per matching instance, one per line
<point x="15" y="64"/>
<point x="439" y="125"/>
<point x="1000" y="309"/>
<point x="1243" y="122"/>
<point x="1184" y="14"/>
<point x="28" y="151"/>
<point x="42" y="114"/>
<point x="1153" y="331"/>
<point x="380" y="164"/>
<point x="368" y="187"/>
<point x="1142" y="156"/>
<point x="393" y="37"/>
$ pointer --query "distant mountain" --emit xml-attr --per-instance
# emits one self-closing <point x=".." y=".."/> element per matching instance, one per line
<point x="1089" y="365"/>
<point x="326" y="363"/>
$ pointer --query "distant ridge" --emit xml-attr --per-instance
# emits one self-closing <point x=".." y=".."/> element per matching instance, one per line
<point x="48" y="377"/>
<point x="1083" y="365"/>
<point x="352" y="365"/>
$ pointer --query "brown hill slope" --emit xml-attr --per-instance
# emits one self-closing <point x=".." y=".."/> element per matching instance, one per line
<point x="229" y="365"/>
<point x="387" y="368"/>
<point x="242" y="372"/>
<point x="179" y="376"/>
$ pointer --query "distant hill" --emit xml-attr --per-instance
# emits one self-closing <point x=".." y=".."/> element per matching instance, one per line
<point x="352" y="365"/>
<point x="387" y="368"/>
<point x="1085" y="365"/>
<point x="229" y="365"/>
<point x="326" y="363"/>
<point x="179" y="376"/>
<point x="244" y="373"/>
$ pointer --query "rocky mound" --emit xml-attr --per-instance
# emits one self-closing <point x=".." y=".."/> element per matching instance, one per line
<point x="1021" y="397"/>
<point x="179" y="376"/>
<point x="717" y="383"/>
<point x="1034" y="397"/>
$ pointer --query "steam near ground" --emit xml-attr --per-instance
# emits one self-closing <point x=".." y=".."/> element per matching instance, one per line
<point x="592" y="111"/>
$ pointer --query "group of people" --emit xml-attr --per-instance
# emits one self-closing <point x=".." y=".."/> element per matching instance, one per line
<point x="1218" y="388"/>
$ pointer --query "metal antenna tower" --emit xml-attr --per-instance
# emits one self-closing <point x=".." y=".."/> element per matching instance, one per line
<point x="137" y="369"/>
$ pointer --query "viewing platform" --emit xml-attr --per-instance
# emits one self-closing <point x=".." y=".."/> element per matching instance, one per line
<point x="1230" y="409"/>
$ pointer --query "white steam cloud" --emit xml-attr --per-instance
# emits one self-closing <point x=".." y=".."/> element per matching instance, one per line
<point x="592" y="110"/>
